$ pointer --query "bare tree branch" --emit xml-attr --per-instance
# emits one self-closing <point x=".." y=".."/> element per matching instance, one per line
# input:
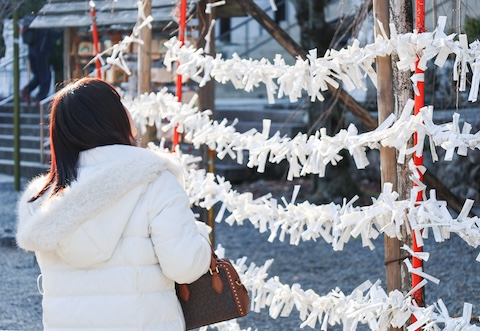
<point x="7" y="7"/>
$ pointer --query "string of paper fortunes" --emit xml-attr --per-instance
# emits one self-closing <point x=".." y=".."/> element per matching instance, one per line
<point x="334" y="223"/>
<point x="305" y="154"/>
<point x="367" y="304"/>
<point x="349" y="65"/>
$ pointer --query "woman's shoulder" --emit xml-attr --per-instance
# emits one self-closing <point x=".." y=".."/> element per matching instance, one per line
<point x="124" y="155"/>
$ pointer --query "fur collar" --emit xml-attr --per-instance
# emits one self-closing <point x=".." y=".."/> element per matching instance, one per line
<point x="117" y="169"/>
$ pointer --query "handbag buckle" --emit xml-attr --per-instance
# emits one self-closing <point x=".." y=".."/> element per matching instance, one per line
<point x="216" y="270"/>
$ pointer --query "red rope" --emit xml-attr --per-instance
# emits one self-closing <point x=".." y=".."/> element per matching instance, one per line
<point x="418" y="159"/>
<point x="181" y="38"/>
<point x="95" y="37"/>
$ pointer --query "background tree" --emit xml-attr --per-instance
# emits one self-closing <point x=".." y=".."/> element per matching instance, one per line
<point x="317" y="32"/>
<point x="472" y="28"/>
<point x="24" y="7"/>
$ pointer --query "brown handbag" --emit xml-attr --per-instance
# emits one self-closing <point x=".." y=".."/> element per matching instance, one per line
<point x="217" y="296"/>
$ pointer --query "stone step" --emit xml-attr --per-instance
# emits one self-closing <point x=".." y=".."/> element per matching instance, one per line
<point x="25" y="129"/>
<point x="25" y="121"/>
<point x="24" y="108"/>
<point x="23" y="112"/>
<point x="27" y="169"/>
<point x="30" y="125"/>
<point x="25" y="141"/>
<point x="26" y="154"/>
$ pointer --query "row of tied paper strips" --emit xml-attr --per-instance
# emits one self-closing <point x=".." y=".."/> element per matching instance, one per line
<point x="335" y="224"/>
<point x="349" y="65"/>
<point x="368" y="303"/>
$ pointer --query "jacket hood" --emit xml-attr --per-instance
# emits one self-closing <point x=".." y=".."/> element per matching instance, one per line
<point x="89" y="216"/>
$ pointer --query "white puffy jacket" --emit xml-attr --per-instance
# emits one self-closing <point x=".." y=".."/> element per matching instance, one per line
<point x="111" y="246"/>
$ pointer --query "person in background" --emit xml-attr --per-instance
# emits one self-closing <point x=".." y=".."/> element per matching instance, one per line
<point x="39" y="43"/>
<point x="56" y="57"/>
<point x="110" y="224"/>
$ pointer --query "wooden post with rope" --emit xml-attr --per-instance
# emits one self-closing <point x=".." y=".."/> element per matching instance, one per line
<point x="402" y="18"/>
<point x="206" y="96"/>
<point x="388" y="157"/>
<point x="418" y="159"/>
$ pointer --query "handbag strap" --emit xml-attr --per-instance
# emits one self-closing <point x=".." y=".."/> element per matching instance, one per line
<point x="217" y="284"/>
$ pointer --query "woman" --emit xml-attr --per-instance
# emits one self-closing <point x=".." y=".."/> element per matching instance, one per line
<point x="110" y="223"/>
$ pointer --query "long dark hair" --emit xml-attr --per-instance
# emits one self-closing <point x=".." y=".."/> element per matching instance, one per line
<point x="85" y="114"/>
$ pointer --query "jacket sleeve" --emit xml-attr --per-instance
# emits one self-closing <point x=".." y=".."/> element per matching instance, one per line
<point x="182" y="251"/>
<point x="25" y="215"/>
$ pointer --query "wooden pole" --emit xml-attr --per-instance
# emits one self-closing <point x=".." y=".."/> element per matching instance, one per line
<point x="401" y="15"/>
<point x="144" y="54"/>
<point x="144" y="63"/>
<point x="388" y="159"/>
<point x="206" y="97"/>
<point x="16" y="103"/>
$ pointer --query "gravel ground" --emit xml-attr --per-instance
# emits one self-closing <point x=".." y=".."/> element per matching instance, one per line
<point x="312" y="264"/>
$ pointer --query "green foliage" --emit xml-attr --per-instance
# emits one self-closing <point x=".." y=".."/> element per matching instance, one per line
<point x="472" y="28"/>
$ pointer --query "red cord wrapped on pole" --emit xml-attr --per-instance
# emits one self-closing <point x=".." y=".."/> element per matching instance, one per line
<point x="95" y="37"/>
<point x="418" y="159"/>
<point x="182" y="23"/>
